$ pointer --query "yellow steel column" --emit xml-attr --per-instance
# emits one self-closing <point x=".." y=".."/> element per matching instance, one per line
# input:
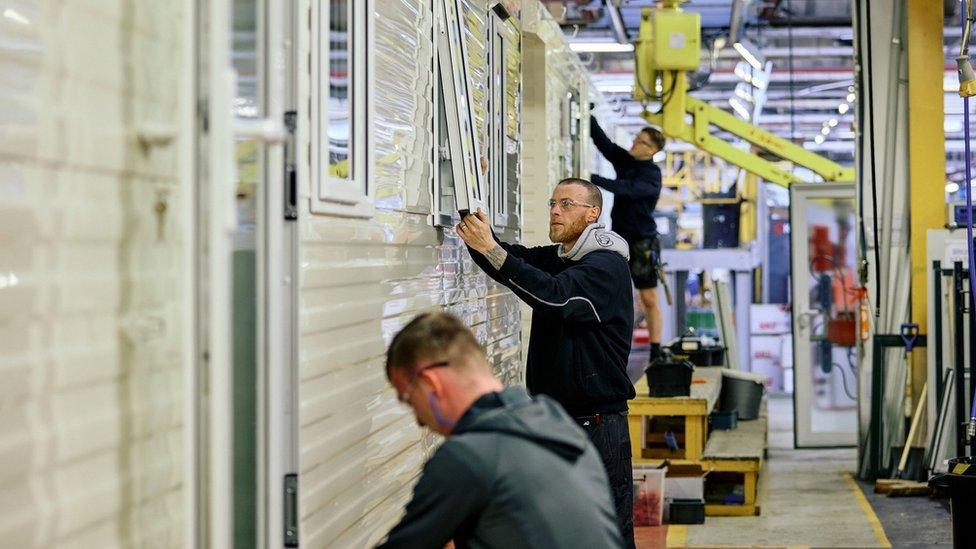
<point x="749" y="208"/>
<point x="926" y="152"/>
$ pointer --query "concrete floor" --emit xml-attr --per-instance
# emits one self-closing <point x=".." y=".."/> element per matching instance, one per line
<point x="809" y="499"/>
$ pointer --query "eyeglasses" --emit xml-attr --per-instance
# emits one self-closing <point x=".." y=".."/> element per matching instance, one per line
<point x="404" y="397"/>
<point x="645" y="143"/>
<point x="567" y="203"/>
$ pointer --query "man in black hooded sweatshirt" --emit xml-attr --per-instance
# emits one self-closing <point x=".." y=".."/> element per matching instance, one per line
<point x="515" y="471"/>
<point x="636" y="191"/>
<point x="582" y="321"/>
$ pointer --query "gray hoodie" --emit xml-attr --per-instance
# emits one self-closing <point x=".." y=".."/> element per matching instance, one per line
<point x="596" y="237"/>
<point x="516" y="472"/>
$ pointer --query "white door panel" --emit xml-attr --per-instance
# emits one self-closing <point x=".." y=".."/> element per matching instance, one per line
<point x="824" y="312"/>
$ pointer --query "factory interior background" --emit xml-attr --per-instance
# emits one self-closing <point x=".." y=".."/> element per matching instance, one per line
<point x="216" y="214"/>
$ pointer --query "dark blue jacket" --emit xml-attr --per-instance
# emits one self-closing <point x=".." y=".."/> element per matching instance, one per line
<point x="636" y="189"/>
<point x="582" y="323"/>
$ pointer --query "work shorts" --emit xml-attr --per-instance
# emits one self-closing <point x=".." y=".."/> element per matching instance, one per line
<point x="645" y="255"/>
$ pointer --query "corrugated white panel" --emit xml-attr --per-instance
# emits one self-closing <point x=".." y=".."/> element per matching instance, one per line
<point x="91" y="293"/>
<point x="362" y="280"/>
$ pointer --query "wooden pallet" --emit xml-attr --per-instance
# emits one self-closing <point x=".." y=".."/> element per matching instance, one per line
<point x="705" y="389"/>
<point x="901" y="488"/>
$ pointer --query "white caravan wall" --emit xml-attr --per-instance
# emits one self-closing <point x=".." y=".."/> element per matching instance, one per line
<point x="362" y="279"/>
<point x="93" y="300"/>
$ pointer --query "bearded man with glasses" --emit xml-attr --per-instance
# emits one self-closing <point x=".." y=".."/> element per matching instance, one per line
<point x="515" y="471"/>
<point x="582" y="321"/>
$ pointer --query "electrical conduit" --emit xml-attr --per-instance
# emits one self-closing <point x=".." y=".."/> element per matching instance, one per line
<point x="966" y="74"/>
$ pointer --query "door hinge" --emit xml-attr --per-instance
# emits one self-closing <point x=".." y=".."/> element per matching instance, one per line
<point x="291" y="510"/>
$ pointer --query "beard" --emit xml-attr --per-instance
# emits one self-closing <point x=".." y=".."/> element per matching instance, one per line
<point x="570" y="230"/>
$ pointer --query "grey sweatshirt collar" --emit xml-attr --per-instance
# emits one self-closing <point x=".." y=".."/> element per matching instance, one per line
<point x="596" y="237"/>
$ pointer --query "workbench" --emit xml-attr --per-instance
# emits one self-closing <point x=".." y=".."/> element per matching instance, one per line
<point x="738" y="452"/>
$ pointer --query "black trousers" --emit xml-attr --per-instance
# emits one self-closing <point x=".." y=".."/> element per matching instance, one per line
<point x="610" y="435"/>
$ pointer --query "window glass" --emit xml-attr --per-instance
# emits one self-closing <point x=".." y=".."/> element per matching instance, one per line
<point x="337" y="70"/>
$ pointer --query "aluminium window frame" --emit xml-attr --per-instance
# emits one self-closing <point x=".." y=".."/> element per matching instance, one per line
<point x="498" y="113"/>
<point x="452" y="59"/>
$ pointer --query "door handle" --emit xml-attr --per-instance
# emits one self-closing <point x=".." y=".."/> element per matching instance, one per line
<point x="803" y="318"/>
<point x="265" y="130"/>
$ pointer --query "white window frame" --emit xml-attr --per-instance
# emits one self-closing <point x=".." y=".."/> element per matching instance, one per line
<point x="452" y="57"/>
<point x="498" y="110"/>
<point x="333" y="196"/>
<point x="571" y="112"/>
<point x="439" y="153"/>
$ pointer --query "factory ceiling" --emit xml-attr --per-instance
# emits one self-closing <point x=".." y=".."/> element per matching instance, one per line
<point x="809" y="44"/>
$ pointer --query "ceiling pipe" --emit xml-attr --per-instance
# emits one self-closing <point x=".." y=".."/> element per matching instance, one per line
<point x="617" y="22"/>
<point x="737" y="20"/>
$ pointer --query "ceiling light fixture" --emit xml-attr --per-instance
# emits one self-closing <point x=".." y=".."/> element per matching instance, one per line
<point x="739" y="108"/>
<point x="615" y="88"/>
<point x="843" y="107"/>
<point x="757" y="78"/>
<point x="832" y="122"/>
<point x="951" y="187"/>
<point x="746" y="49"/>
<point x="851" y="97"/>
<point x="600" y="47"/>
<point x="819" y="139"/>
<point x="744" y="91"/>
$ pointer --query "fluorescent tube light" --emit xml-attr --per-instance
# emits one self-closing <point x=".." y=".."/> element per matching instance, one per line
<point x="601" y="47"/>
<point x="746" y="49"/>
<point x="739" y="108"/>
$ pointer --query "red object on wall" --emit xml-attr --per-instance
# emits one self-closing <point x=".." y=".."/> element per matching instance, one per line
<point x="842" y="330"/>
<point x="821" y="249"/>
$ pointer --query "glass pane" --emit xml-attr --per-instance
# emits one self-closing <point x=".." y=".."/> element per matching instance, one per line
<point x="575" y="116"/>
<point x="445" y="199"/>
<point x="833" y="305"/>
<point x="338" y="67"/>
<point x="246" y="57"/>
<point x="498" y="109"/>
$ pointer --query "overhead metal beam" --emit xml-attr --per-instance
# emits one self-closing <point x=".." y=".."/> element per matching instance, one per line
<point x="800" y="51"/>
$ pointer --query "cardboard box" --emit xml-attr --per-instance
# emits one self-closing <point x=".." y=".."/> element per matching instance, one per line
<point x="766" y="358"/>
<point x="770" y="319"/>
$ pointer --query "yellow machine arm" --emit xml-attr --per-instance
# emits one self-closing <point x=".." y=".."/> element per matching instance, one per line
<point x="668" y="44"/>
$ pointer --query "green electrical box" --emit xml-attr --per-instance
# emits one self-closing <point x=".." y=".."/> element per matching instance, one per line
<point x="677" y="41"/>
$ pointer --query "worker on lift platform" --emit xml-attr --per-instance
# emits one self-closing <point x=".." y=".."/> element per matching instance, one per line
<point x="636" y="191"/>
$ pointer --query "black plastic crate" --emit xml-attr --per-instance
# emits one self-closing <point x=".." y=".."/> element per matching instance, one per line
<point x="687" y="511"/>
<point x="668" y="377"/>
<point x="700" y="351"/>
<point x="724" y="421"/>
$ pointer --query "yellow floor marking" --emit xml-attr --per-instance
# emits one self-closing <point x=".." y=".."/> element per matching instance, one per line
<point x="677" y="535"/>
<point x="866" y="507"/>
